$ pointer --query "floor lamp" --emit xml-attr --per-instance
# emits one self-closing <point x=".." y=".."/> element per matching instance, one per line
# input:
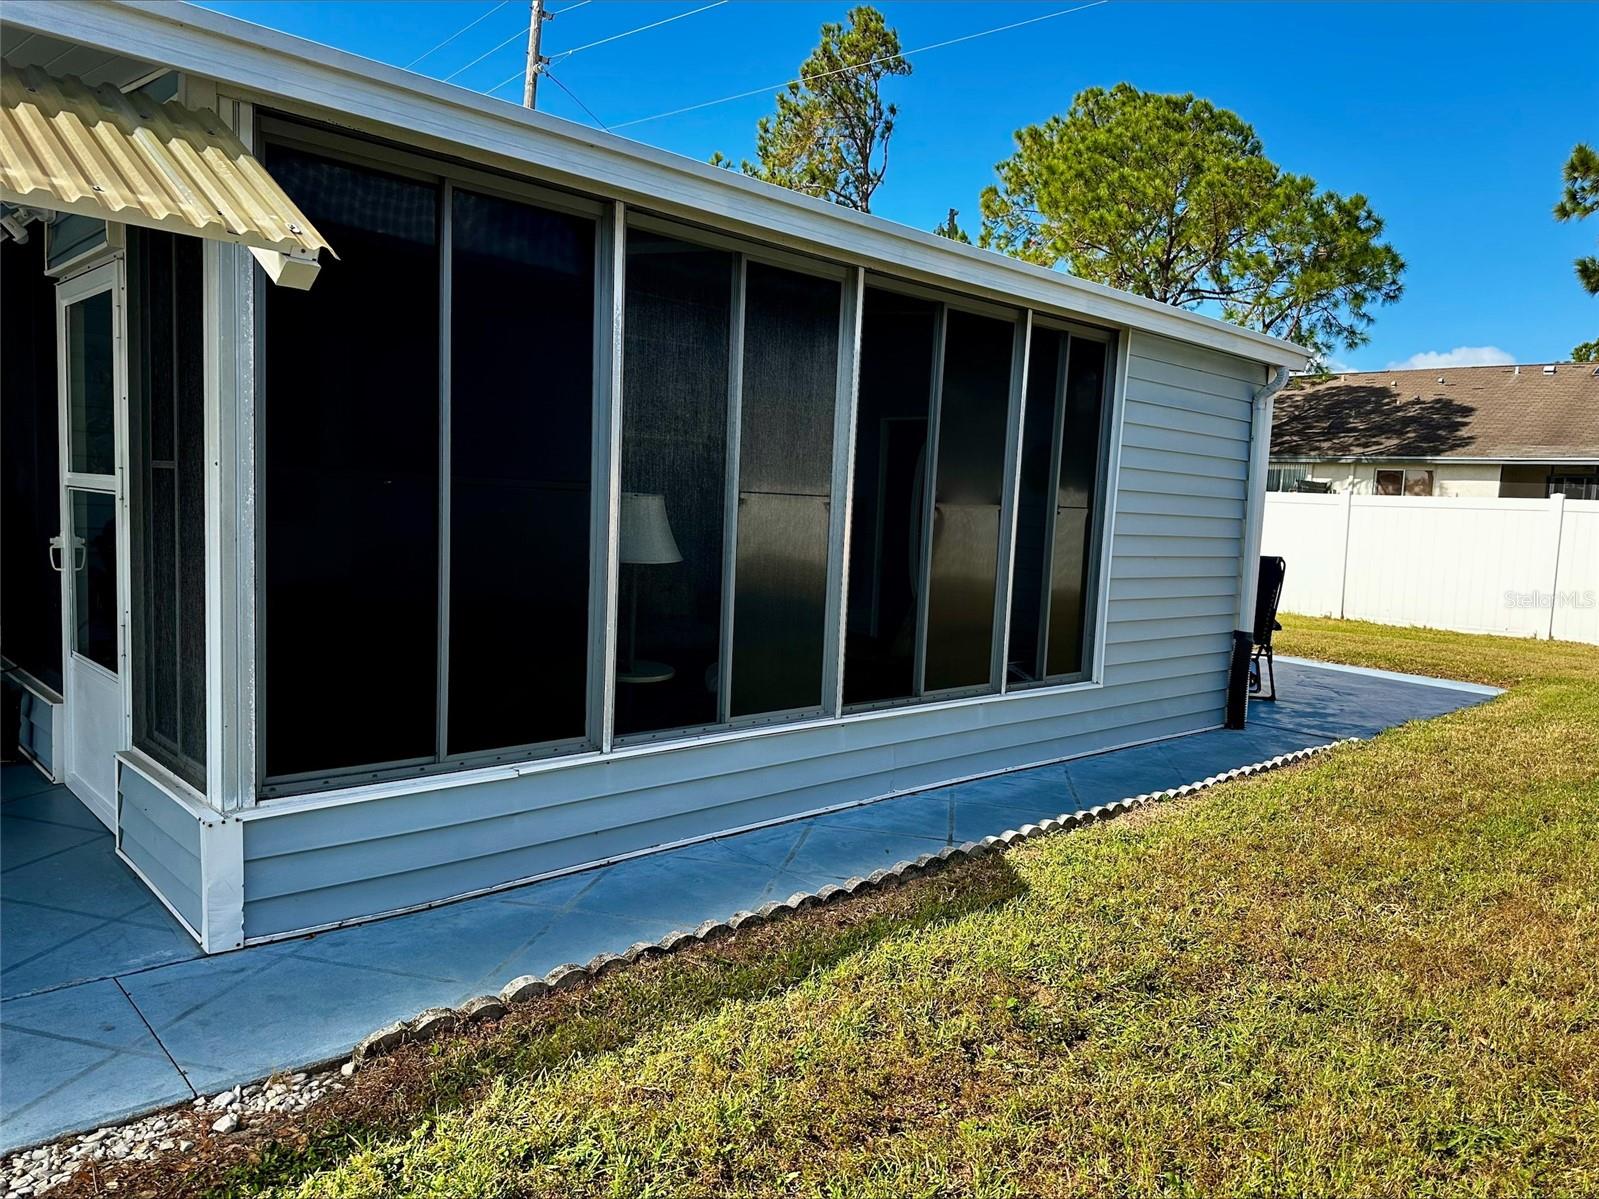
<point x="646" y="540"/>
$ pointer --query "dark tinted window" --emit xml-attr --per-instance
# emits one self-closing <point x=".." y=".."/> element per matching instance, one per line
<point x="350" y="383"/>
<point x="1083" y="400"/>
<point x="790" y="382"/>
<point x="898" y="334"/>
<point x="30" y="509"/>
<point x="94" y="579"/>
<point x="674" y="474"/>
<point x="1061" y="455"/>
<point x="1035" y="505"/>
<point x="521" y="408"/>
<point x="973" y="408"/>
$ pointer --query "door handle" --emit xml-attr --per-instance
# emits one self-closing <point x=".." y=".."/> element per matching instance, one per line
<point x="55" y="554"/>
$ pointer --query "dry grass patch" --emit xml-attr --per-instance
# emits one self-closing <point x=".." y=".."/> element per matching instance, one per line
<point x="1371" y="974"/>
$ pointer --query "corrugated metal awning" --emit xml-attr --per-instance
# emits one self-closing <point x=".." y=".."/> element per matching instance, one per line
<point x="124" y="157"/>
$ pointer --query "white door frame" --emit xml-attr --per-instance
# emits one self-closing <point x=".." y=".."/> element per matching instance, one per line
<point x="79" y="776"/>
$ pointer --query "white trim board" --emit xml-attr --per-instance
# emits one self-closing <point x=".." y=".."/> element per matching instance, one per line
<point x="259" y="63"/>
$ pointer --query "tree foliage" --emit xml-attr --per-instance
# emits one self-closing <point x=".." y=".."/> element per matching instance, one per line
<point x="1579" y="200"/>
<point x="1173" y="198"/>
<point x="951" y="228"/>
<point x="829" y="136"/>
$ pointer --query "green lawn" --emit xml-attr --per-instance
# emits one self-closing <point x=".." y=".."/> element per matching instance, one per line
<point x="1376" y="973"/>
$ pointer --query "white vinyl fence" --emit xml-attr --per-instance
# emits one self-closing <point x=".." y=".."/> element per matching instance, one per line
<point x="1526" y="568"/>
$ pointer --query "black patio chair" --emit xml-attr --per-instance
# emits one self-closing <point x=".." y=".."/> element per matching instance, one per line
<point x="1268" y="593"/>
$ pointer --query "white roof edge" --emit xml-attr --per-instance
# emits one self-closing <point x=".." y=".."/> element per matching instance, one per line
<point x="275" y="65"/>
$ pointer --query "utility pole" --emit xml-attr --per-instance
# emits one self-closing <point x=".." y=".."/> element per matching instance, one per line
<point x="535" y="60"/>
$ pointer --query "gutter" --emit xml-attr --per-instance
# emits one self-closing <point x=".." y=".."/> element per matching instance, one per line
<point x="1249" y="565"/>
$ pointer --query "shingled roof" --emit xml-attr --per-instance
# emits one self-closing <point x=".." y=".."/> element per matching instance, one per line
<point x="1493" y="412"/>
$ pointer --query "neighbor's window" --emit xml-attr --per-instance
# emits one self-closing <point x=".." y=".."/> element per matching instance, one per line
<point x="1574" y="487"/>
<point x="167" y="409"/>
<point x="1285" y="478"/>
<point x="1055" y="526"/>
<point x="1404" y="482"/>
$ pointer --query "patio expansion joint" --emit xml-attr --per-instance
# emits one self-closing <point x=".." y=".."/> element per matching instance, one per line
<point x="440" y="1020"/>
<point x="156" y="1037"/>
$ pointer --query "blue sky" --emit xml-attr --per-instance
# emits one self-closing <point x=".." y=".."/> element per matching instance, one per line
<point x="1453" y="119"/>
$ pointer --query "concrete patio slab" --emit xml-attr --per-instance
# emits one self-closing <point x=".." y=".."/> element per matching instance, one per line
<point x="163" y="1021"/>
<point x="70" y="910"/>
<point x="75" y="1055"/>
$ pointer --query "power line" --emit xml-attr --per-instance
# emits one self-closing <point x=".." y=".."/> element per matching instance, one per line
<point x="1064" y="12"/>
<point x="578" y="102"/>
<point x="515" y="37"/>
<point x="616" y="37"/>
<point x="457" y="33"/>
<point x="565" y="54"/>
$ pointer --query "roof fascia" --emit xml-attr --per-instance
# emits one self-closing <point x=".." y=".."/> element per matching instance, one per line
<point x="273" y="65"/>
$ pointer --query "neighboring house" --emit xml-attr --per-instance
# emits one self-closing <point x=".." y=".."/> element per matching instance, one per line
<point x="1522" y="432"/>
<point x="409" y="495"/>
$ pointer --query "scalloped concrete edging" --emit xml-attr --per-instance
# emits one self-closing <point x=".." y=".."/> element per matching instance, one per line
<point x="439" y="1020"/>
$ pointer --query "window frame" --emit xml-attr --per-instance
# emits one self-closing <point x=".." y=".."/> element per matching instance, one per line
<point x="1020" y="318"/>
<point x="1098" y="533"/>
<point x="745" y="252"/>
<point x="446" y="175"/>
<point x="613" y="218"/>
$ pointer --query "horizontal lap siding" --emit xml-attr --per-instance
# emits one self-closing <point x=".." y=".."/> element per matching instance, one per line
<point x="161" y="838"/>
<point x="1172" y="602"/>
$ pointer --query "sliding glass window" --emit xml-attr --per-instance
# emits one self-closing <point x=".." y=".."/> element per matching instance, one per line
<point x="973" y="410"/>
<point x="350" y="375"/>
<point x="899" y="361"/>
<point x="1056" y="522"/>
<point x="785" y="467"/>
<point x="931" y="447"/>
<point x="428" y="411"/>
<point x="520" y="425"/>
<point x="730" y="386"/>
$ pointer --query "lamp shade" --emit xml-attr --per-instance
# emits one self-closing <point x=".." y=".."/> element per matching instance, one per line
<point x="646" y="533"/>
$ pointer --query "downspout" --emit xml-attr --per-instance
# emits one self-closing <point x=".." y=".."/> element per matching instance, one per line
<point x="1249" y="566"/>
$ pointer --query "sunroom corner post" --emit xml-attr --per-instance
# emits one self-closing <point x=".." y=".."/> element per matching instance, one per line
<point x="1010" y="486"/>
<point x="231" y="511"/>
<point x="222" y="875"/>
<point x="842" y="507"/>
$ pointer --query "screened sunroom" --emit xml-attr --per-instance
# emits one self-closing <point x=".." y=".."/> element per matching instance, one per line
<point x="552" y="499"/>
